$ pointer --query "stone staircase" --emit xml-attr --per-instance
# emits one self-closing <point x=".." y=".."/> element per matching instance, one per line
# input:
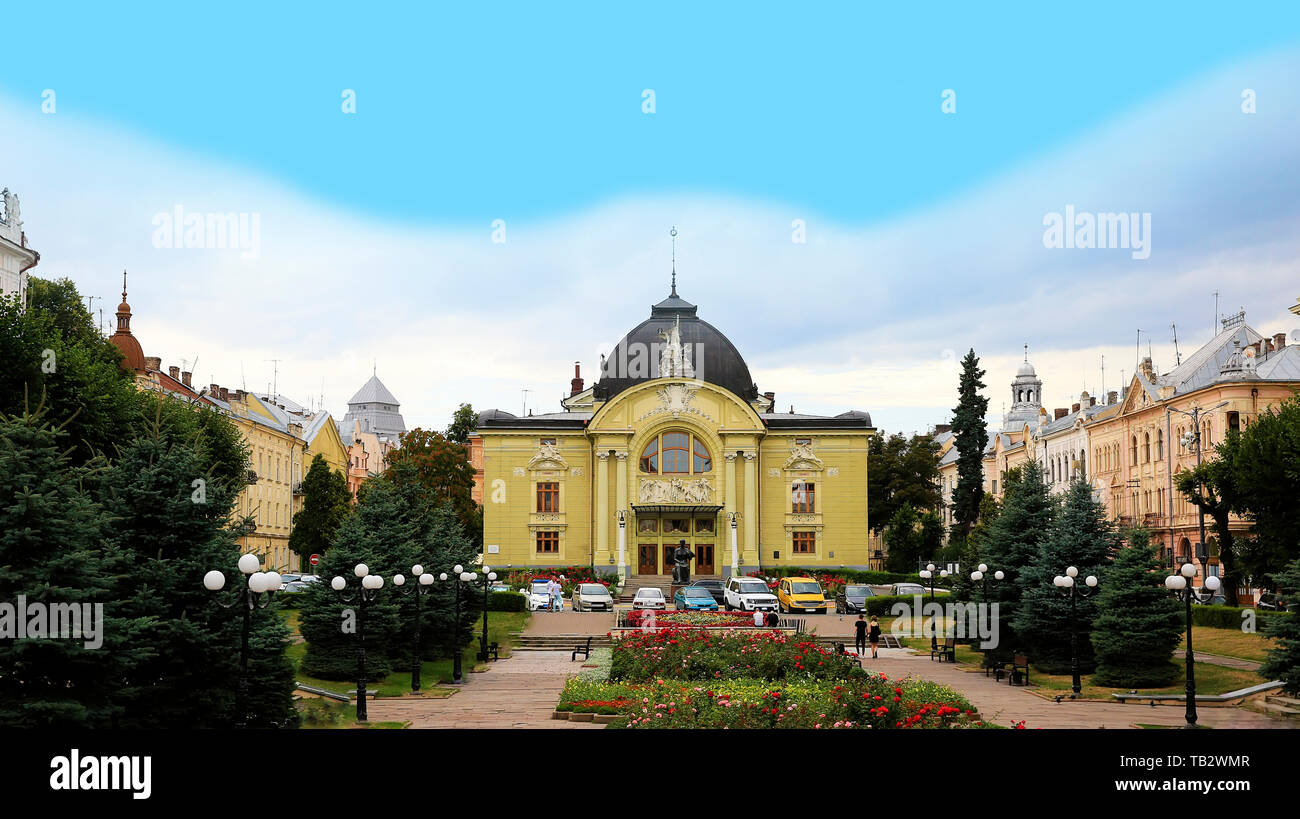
<point x="557" y="642"/>
<point x="1281" y="706"/>
<point x="663" y="582"/>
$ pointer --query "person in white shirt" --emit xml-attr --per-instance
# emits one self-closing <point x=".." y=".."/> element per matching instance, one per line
<point x="758" y="618"/>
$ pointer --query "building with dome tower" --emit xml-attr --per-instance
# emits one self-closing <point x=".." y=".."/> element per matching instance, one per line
<point x="673" y="442"/>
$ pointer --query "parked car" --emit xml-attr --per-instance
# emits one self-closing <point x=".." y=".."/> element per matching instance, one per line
<point x="592" y="597"/>
<point x="1217" y="600"/>
<point x="714" y="588"/>
<point x="748" y="594"/>
<point x="853" y="599"/>
<point x="694" y="598"/>
<point x="649" y="599"/>
<point x="800" y="594"/>
<point x="908" y="588"/>
<point x="295" y="587"/>
<point x="538" y="596"/>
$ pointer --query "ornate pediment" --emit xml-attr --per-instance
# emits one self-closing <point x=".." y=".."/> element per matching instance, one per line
<point x="676" y="400"/>
<point x="802" y="457"/>
<point x="547" y="456"/>
<point x="675" y="490"/>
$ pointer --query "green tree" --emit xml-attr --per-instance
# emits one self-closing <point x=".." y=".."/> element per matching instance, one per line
<point x="903" y="539"/>
<point x="173" y="527"/>
<point x="971" y="431"/>
<point x="1013" y="543"/>
<point x="1138" y="624"/>
<point x="900" y="472"/>
<point x="1082" y="536"/>
<point x="1283" y="661"/>
<point x="463" y="422"/>
<point x="442" y="468"/>
<point x="1267" y="483"/>
<point x="326" y="504"/>
<point x="51" y="530"/>
<point x="1211" y="487"/>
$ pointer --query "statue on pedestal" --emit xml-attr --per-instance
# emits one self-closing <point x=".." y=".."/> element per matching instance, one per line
<point x="682" y="563"/>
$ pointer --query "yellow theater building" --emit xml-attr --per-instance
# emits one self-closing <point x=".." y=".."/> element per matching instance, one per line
<point x="674" y="442"/>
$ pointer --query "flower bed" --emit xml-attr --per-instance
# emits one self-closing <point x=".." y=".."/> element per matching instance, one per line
<point x="864" y="701"/>
<point x="642" y="618"/>
<point x="573" y="575"/>
<point x="704" y="654"/>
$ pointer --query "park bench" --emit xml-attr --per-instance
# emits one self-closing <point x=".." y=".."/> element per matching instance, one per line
<point x="994" y="666"/>
<point x="584" y="650"/>
<point x="791" y="622"/>
<point x="1019" y="667"/>
<point x="946" y="651"/>
<point x="489" y="650"/>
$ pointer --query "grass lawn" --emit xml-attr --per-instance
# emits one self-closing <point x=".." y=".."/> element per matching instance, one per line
<point x="1210" y="679"/>
<point x="1229" y="642"/>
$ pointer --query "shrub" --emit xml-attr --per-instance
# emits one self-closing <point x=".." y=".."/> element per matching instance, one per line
<point x="1229" y="616"/>
<point x="704" y="654"/>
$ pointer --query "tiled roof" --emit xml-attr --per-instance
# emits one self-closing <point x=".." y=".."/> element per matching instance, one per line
<point x="373" y="392"/>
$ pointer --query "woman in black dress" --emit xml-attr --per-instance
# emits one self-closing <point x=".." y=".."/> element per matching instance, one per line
<point x="874" y="637"/>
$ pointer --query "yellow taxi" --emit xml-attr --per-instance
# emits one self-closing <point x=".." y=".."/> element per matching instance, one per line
<point x="800" y="594"/>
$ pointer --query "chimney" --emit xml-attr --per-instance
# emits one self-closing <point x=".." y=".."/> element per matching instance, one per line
<point x="1279" y="341"/>
<point x="239" y="395"/>
<point x="575" y="386"/>
<point x="1148" y="372"/>
<point x="185" y="379"/>
<point x="939" y="429"/>
<point x="1112" y="397"/>
<point x="174" y="372"/>
<point x="225" y="394"/>
<point x="1061" y="412"/>
<point x="152" y="363"/>
<point x="1083" y="398"/>
<point x="214" y="390"/>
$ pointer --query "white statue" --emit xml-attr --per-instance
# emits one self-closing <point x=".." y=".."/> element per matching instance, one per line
<point x="13" y="215"/>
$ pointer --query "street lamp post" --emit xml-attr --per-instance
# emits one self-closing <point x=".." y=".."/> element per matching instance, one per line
<point x="488" y="577"/>
<point x="457" y="577"/>
<point x="735" y="553"/>
<point x="981" y="574"/>
<point x="424" y="584"/>
<point x="366" y="589"/>
<point x="929" y="574"/>
<point x="1068" y="588"/>
<point x="255" y="593"/>
<point x="1181" y="585"/>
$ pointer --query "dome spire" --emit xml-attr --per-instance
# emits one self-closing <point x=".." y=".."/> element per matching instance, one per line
<point x="673" y="233"/>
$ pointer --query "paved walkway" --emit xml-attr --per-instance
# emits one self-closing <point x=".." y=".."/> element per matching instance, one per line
<point x="596" y="623"/>
<point x="1005" y="704"/>
<point x="516" y="692"/>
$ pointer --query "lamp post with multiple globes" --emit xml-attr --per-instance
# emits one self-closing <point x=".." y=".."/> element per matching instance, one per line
<point x="457" y="577"/>
<point x="487" y="576"/>
<point x="1068" y="588"/>
<point x="255" y="593"/>
<point x="423" y="585"/>
<point x="929" y="574"/>
<point x="1181" y="585"/>
<point x="366" y="589"/>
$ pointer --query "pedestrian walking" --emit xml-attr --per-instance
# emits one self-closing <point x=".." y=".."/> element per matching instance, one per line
<point x="860" y="636"/>
<point x="873" y="635"/>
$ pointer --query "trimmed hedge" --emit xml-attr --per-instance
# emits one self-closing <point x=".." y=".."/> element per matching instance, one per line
<point x="871" y="578"/>
<point x="498" y="601"/>
<point x="1229" y="616"/>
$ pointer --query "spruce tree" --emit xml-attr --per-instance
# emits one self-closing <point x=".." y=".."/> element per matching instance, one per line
<point x="326" y="504"/>
<point x="1283" y="661"/>
<point x="971" y="431"/>
<point x="1080" y="535"/>
<point x="174" y="531"/>
<point x="52" y="553"/>
<point x="1138" y="623"/>
<point x="1014" y="541"/>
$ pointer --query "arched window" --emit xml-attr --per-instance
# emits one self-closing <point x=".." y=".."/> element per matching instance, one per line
<point x="1134" y="448"/>
<point x="1160" y="445"/>
<point x="676" y="453"/>
<point x="1146" y="447"/>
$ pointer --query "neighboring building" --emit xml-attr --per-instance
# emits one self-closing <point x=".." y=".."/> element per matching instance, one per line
<point x="367" y="456"/>
<point x="16" y="258"/>
<point x="376" y="410"/>
<point x="674" y="442"/>
<point x="1061" y="445"/>
<point x="1138" y="450"/>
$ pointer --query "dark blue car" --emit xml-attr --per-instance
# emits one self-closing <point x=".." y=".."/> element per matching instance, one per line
<point x="694" y="598"/>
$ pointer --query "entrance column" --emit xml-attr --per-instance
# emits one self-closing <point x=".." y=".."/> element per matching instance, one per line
<point x="602" y="507"/>
<point x="751" y="502"/>
<point x="729" y="499"/>
<point x="621" y="503"/>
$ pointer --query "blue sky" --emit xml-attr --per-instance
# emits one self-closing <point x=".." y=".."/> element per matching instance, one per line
<point x="924" y="229"/>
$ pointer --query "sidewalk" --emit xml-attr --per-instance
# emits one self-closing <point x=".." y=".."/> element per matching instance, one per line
<point x="516" y="692"/>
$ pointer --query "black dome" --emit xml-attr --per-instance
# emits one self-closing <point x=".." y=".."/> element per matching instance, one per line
<point x="714" y="357"/>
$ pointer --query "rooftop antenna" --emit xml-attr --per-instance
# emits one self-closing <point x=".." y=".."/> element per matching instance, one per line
<point x="525" y="411"/>
<point x="1138" y="349"/>
<point x="243" y="384"/>
<point x="673" y="233"/>
<point x="1026" y="352"/>
<point x="1103" y="375"/>
<point x="1178" y="357"/>
<point x="1214" y="325"/>
<point x="275" y="377"/>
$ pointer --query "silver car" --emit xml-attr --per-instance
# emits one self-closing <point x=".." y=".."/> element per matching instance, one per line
<point x="649" y="599"/>
<point x="592" y="597"/>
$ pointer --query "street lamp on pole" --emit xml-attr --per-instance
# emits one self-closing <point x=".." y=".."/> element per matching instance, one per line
<point x="424" y="584"/>
<point x="255" y="593"/>
<point x="1181" y="585"/>
<point x="457" y="577"/>
<point x="1068" y="588"/>
<point x="365" y="590"/>
<point x="928" y="573"/>
<point x="488" y="577"/>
